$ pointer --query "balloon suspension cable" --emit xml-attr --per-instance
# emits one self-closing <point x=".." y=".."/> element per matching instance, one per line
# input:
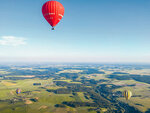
<point x="53" y="28"/>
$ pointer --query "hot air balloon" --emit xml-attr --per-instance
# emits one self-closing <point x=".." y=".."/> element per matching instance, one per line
<point x="53" y="12"/>
<point x="18" y="91"/>
<point x="127" y="94"/>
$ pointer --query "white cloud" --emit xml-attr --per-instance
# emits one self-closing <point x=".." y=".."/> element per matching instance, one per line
<point x="12" y="41"/>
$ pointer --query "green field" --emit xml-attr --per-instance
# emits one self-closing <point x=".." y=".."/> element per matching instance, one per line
<point x="46" y="100"/>
<point x="142" y="89"/>
<point x="73" y="90"/>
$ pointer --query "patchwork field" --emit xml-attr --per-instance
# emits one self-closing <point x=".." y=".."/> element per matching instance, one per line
<point x="46" y="100"/>
<point x="75" y="89"/>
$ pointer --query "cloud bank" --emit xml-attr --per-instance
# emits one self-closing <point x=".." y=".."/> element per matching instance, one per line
<point x="12" y="41"/>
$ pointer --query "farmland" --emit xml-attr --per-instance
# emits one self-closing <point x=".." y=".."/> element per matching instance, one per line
<point x="74" y="88"/>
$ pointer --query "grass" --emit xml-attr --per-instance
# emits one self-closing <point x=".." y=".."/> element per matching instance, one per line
<point x="8" y="83"/>
<point x="82" y="98"/>
<point x="49" y="99"/>
<point x="141" y="103"/>
<point x="85" y="110"/>
<point x="4" y="72"/>
<point x="69" y="81"/>
<point x="97" y="76"/>
<point x="45" y="98"/>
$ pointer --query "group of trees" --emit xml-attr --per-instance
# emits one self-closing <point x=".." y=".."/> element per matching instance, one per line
<point x="79" y="104"/>
<point x="36" y="84"/>
<point x="98" y="100"/>
<point x="14" y="73"/>
<point x="140" y="78"/>
<point x="72" y="76"/>
<point x="99" y="94"/>
<point x="70" y="87"/>
<point x="119" y="73"/>
<point x="60" y="91"/>
<point x="92" y="71"/>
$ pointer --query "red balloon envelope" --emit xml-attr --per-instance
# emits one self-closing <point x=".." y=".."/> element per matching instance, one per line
<point x="53" y="12"/>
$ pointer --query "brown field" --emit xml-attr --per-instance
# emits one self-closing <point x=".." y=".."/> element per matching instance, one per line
<point x="43" y="107"/>
<point x="28" y="102"/>
<point x="70" y="71"/>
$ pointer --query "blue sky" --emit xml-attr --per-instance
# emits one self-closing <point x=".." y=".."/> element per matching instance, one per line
<point x="90" y="31"/>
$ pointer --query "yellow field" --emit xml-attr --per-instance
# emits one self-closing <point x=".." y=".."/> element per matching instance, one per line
<point x="96" y="76"/>
<point x="141" y="72"/>
<point x="4" y="72"/>
<point x="8" y="83"/>
<point x="69" y="81"/>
